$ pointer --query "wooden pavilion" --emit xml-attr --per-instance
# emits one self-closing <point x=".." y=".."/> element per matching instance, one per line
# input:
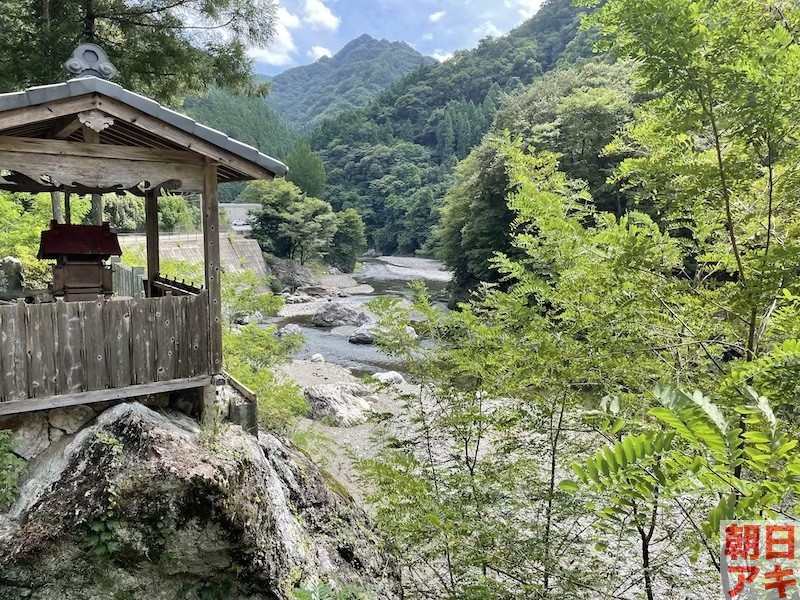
<point x="89" y="136"/>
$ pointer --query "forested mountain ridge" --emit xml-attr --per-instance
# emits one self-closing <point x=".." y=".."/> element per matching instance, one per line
<point x="244" y="118"/>
<point x="392" y="160"/>
<point x="350" y="79"/>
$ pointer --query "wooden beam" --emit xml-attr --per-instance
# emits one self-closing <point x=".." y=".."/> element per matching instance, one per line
<point x="212" y="266"/>
<point x="101" y="173"/>
<point x="45" y="112"/>
<point x="65" y="128"/>
<point x="80" y="398"/>
<point x="93" y="150"/>
<point x="151" y="221"/>
<point x="166" y="131"/>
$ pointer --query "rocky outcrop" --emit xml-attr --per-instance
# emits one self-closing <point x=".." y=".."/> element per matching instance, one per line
<point x="337" y="314"/>
<point x="289" y="272"/>
<point x="340" y="404"/>
<point x="142" y="504"/>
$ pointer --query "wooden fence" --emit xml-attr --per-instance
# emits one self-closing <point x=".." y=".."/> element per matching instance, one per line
<point x="73" y="347"/>
<point x="128" y="281"/>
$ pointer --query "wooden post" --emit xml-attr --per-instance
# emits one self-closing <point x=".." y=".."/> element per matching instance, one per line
<point x="212" y="266"/>
<point x="92" y="137"/>
<point x="55" y="199"/>
<point x="67" y="208"/>
<point x="151" y="221"/>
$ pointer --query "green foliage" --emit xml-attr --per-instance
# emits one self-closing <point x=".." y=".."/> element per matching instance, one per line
<point x="176" y="214"/>
<point x="290" y="224"/>
<point x="324" y="592"/>
<point x="306" y="171"/>
<point x="248" y="356"/>
<point x="244" y="294"/>
<point x="153" y="44"/>
<point x="349" y="241"/>
<point x="125" y="214"/>
<point x="351" y="79"/>
<point x="11" y="468"/>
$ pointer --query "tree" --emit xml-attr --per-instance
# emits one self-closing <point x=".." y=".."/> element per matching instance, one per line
<point x="162" y="48"/>
<point x="306" y="171"/>
<point x="349" y="241"/>
<point x="124" y="213"/>
<point x="290" y="224"/>
<point x="176" y="214"/>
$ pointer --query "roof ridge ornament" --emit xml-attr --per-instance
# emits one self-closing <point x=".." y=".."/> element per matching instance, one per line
<point x="90" y="60"/>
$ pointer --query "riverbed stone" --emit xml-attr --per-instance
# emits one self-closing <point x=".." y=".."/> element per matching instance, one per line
<point x="318" y="358"/>
<point x="290" y="329"/>
<point x="340" y="404"/>
<point x="365" y="334"/>
<point x="391" y="377"/>
<point x="335" y="314"/>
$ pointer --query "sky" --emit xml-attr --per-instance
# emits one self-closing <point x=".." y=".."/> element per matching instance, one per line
<point x="309" y="29"/>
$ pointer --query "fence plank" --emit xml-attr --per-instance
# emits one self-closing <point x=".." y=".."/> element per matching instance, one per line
<point x="197" y="334"/>
<point x="117" y="320"/>
<point x="15" y="358"/>
<point x="42" y="349"/>
<point x="70" y="357"/>
<point x="143" y="344"/>
<point x="183" y="304"/>
<point x="166" y="338"/>
<point x="94" y="345"/>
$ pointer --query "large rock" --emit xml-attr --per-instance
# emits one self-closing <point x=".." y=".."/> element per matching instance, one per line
<point x="11" y="278"/>
<point x="182" y="514"/>
<point x="289" y="272"/>
<point x="69" y="420"/>
<point x="340" y="404"/>
<point x="366" y="334"/>
<point x="31" y="431"/>
<point x="290" y="329"/>
<point x="336" y="314"/>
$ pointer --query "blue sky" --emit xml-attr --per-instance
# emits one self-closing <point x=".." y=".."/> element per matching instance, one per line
<point x="309" y="29"/>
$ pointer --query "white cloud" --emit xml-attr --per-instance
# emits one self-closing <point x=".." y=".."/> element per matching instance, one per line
<point x="525" y="8"/>
<point x="319" y="16"/>
<point x="488" y="28"/>
<point x="437" y="16"/>
<point x="441" y="55"/>
<point x="427" y="37"/>
<point x="281" y="50"/>
<point x="318" y="52"/>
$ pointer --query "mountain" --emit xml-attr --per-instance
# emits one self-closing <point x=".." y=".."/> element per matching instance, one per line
<point x="393" y="159"/>
<point x="349" y="79"/>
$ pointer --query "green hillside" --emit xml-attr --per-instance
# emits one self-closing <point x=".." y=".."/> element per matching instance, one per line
<point x="393" y="159"/>
<point x="350" y="79"/>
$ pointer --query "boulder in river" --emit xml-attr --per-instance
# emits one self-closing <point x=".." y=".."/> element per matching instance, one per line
<point x="341" y="404"/>
<point x="140" y="504"/>
<point x="391" y="377"/>
<point x="290" y="329"/>
<point x="336" y="314"/>
<point x="365" y="334"/>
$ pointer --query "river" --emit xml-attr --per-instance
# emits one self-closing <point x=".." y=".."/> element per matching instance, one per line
<point x="387" y="276"/>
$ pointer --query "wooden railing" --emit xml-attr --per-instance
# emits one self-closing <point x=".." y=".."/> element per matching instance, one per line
<point x="69" y="348"/>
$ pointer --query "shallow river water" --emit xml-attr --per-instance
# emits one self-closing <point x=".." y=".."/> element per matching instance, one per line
<point x="387" y="279"/>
